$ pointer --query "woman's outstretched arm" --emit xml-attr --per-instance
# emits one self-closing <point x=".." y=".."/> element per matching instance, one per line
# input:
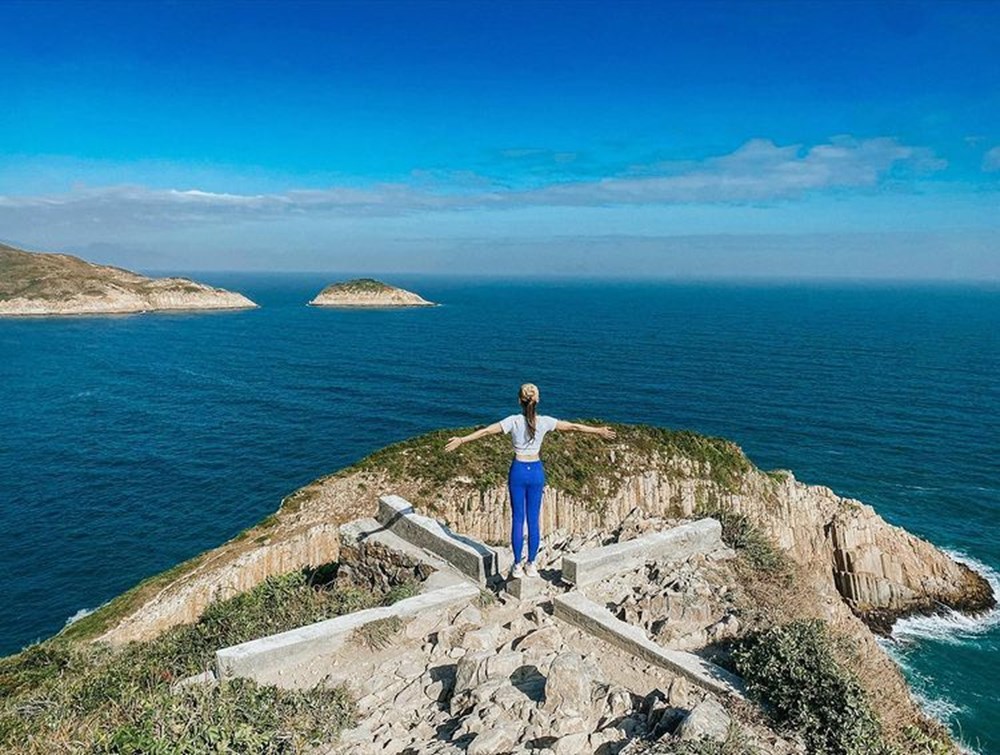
<point x="456" y="441"/>
<point x="604" y="431"/>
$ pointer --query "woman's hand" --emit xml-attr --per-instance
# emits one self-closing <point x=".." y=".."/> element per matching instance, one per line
<point x="453" y="443"/>
<point x="606" y="432"/>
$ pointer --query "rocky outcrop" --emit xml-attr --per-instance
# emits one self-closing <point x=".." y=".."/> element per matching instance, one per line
<point x="367" y="292"/>
<point x="35" y="283"/>
<point x="850" y="563"/>
<point x="851" y="555"/>
<point x="880" y="570"/>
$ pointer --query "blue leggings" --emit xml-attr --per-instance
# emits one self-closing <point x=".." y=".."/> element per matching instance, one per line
<point x="525" y="482"/>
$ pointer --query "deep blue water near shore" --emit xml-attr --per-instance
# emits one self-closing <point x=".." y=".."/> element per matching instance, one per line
<point x="128" y="444"/>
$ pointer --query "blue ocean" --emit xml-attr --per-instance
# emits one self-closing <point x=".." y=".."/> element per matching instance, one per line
<point x="130" y="443"/>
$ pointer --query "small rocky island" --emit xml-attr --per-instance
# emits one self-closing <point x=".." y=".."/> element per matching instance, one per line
<point x="38" y="283"/>
<point x="367" y="292"/>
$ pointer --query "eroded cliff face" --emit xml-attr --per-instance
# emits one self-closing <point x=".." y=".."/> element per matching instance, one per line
<point x="854" y="560"/>
<point x="851" y="566"/>
<point x="879" y="570"/>
<point x="114" y="302"/>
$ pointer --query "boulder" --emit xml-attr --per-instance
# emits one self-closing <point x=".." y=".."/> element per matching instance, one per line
<point x="707" y="720"/>
<point x="544" y="639"/>
<point x="571" y="744"/>
<point x="493" y="742"/>
<point x="568" y="687"/>
<point x="480" y="639"/>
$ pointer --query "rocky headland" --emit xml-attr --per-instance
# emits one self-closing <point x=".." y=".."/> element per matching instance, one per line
<point x="367" y="292"/>
<point x="39" y="283"/>
<point x="808" y="571"/>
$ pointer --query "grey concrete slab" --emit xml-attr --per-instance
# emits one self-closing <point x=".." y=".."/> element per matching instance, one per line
<point x="263" y="658"/>
<point x="577" y="609"/>
<point x="471" y="557"/>
<point x="675" y="544"/>
<point x="361" y="530"/>
<point x="526" y="588"/>
<point x="205" y="678"/>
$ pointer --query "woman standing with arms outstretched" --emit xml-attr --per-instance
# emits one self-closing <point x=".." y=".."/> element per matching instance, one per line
<point x="526" y="478"/>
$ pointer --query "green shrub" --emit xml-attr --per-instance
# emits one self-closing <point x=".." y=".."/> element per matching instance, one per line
<point x="745" y="537"/>
<point x="61" y="696"/>
<point x="792" y="669"/>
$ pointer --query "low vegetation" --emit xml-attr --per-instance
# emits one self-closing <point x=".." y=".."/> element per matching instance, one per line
<point x="62" y="696"/>
<point x="746" y="538"/>
<point x="584" y="466"/>
<point x="358" y="286"/>
<point x="55" y="277"/>
<point x="378" y="634"/>
<point x="794" y="671"/>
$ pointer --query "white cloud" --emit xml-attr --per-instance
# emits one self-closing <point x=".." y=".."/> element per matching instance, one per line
<point x="991" y="160"/>
<point x="759" y="171"/>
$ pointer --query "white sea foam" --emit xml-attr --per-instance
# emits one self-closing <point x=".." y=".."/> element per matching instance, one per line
<point x="941" y="709"/>
<point x="79" y="615"/>
<point x="952" y="627"/>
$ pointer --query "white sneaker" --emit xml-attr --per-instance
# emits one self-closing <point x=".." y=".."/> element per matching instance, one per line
<point x="517" y="572"/>
<point x="530" y="570"/>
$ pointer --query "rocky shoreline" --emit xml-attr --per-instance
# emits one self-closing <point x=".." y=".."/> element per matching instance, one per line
<point x="850" y="569"/>
<point x="37" y="284"/>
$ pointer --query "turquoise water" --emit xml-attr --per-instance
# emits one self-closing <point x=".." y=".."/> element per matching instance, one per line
<point x="130" y="443"/>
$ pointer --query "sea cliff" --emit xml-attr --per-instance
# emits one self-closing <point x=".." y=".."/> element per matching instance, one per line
<point x="38" y="283"/>
<point x="787" y="597"/>
<point x="852" y="570"/>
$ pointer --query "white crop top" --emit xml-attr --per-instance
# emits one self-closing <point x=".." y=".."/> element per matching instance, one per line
<point x="516" y="426"/>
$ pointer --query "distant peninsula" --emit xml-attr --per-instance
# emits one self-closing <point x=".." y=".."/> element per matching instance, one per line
<point x="367" y="292"/>
<point x="38" y="283"/>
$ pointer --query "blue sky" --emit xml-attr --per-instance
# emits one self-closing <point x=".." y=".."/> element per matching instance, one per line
<point x="655" y="139"/>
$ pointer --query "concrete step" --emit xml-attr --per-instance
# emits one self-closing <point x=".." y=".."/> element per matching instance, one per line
<point x="359" y="531"/>
<point x="675" y="544"/>
<point x="577" y="609"/>
<point x="472" y="558"/>
<point x="264" y="659"/>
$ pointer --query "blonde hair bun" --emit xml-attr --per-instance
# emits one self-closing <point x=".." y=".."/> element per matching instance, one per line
<point x="529" y="392"/>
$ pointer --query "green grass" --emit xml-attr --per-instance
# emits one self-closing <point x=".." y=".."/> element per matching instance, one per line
<point x="358" y="286"/>
<point x="60" y="695"/>
<point x="584" y="466"/>
<point x="236" y="717"/>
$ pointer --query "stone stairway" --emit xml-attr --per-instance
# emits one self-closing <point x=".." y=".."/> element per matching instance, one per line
<point x="460" y="567"/>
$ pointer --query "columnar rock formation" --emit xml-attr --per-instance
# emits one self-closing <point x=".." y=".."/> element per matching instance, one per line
<point x="849" y="563"/>
<point x="35" y="283"/>
<point x="854" y="557"/>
